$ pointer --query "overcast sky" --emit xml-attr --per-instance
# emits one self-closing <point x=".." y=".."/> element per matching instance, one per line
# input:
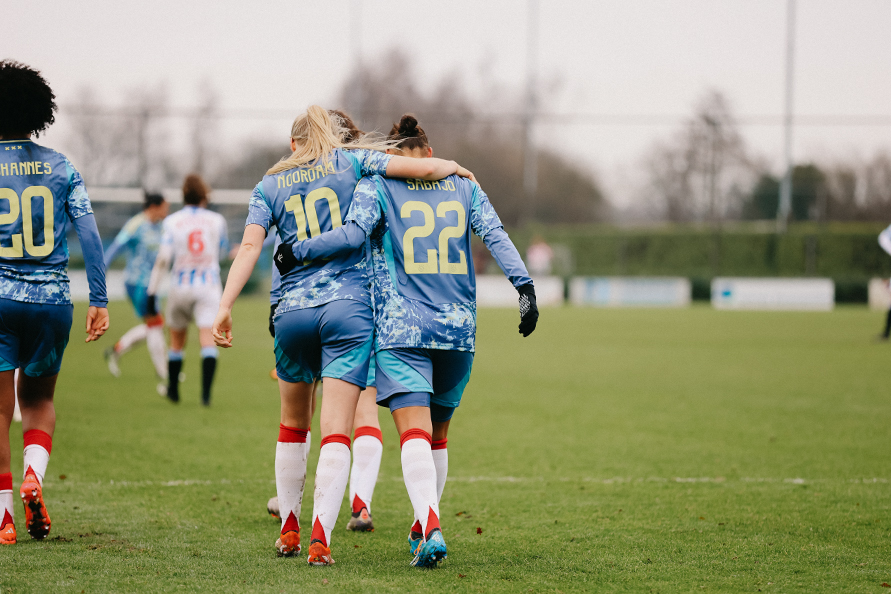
<point x="610" y="57"/>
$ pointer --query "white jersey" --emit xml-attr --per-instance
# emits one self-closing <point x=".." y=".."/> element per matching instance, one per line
<point x="196" y="237"/>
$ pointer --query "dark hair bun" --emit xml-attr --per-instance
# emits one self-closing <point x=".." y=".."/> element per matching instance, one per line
<point x="408" y="126"/>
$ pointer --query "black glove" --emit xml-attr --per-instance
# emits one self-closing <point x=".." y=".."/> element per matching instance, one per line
<point x="151" y="306"/>
<point x="528" y="309"/>
<point x="284" y="258"/>
<point x="272" y="309"/>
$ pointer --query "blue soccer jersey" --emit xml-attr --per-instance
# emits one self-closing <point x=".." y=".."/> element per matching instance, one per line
<point x="141" y="238"/>
<point x="40" y="191"/>
<point x="424" y="282"/>
<point x="306" y="201"/>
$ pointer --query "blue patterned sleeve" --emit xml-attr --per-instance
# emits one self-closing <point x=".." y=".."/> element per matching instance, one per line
<point x="259" y="212"/>
<point x="372" y="162"/>
<point x="78" y="202"/>
<point x="365" y="209"/>
<point x="483" y="217"/>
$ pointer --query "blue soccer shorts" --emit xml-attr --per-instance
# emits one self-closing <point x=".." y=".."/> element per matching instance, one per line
<point x="138" y="295"/>
<point x="33" y="336"/>
<point x="422" y="377"/>
<point x="371" y="382"/>
<point x="331" y="340"/>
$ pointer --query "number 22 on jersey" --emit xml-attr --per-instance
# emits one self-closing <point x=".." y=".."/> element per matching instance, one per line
<point x="418" y="231"/>
<point x="24" y="208"/>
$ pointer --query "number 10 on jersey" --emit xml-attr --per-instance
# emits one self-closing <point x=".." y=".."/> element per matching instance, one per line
<point x="305" y="211"/>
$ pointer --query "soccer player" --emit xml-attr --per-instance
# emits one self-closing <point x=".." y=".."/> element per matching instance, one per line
<point x="323" y="323"/>
<point x="39" y="192"/>
<point x="194" y="239"/>
<point x="367" y="437"/>
<point x="424" y="308"/>
<point x="141" y="237"/>
<point x="885" y="242"/>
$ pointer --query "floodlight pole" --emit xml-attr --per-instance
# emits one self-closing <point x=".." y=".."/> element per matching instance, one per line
<point x="785" y="203"/>
<point x="356" y="56"/>
<point x="530" y="168"/>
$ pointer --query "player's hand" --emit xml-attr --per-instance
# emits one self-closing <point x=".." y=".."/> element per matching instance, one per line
<point x="284" y="258"/>
<point x="464" y="172"/>
<point x="151" y="306"/>
<point x="528" y="309"/>
<point x="97" y="322"/>
<point x="272" y="308"/>
<point x="222" y="329"/>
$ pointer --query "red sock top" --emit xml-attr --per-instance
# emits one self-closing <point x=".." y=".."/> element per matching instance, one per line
<point x="432" y="523"/>
<point x="372" y="431"/>
<point x="439" y="444"/>
<point x="38" y="437"/>
<point x="358" y="504"/>
<point x="414" y="434"/>
<point x="6" y="481"/>
<point x="292" y="434"/>
<point x="318" y="533"/>
<point x="336" y="438"/>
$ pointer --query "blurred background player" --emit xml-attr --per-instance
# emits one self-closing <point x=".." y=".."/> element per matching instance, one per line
<point x="885" y="242"/>
<point x="194" y="240"/>
<point x="323" y="323"/>
<point x="424" y="354"/>
<point x="40" y="191"/>
<point x="141" y="237"/>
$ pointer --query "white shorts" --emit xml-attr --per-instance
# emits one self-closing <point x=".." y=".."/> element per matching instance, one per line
<point x="198" y="302"/>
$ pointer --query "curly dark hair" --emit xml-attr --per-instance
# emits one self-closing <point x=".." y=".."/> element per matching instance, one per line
<point x="27" y="103"/>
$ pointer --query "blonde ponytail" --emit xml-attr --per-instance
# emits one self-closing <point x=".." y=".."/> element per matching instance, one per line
<point x="316" y="134"/>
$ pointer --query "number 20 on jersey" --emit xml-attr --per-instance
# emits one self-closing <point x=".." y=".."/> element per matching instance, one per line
<point x="24" y="208"/>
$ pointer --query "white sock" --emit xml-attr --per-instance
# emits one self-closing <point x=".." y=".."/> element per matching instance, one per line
<point x="419" y="474"/>
<point x="332" y="475"/>
<point x="441" y="462"/>
<point x="157" y="348"/>
<point x="38" y="445"/>
<point x="290" y="474"/>
<point x="367" y="451"/>
<point x="6" y="505"/>
<point x="131" y="338"/>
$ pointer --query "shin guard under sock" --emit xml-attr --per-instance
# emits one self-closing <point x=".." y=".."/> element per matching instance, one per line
<point x="290" y="474"/>
<point x="6" y="507"/>
<point x="208" y="369"/>
<point x="332" y="474"/>
<point x="368" y="447"/>
<point x="419" y="474"/>
<point x="174" y="366"/>
<point x="38" y="446"/>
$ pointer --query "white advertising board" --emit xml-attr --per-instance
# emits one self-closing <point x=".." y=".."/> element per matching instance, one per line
<point x="494" y="290"/>
<point x="616" y="291"/>
<point x="879" y="294"/>
<point x="808" y="294"/>
<point x="80" y="288"/>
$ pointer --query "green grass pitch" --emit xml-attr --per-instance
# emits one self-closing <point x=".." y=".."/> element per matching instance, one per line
<point x="612" y="451"/>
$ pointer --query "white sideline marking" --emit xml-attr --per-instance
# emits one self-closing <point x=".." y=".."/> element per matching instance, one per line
<point x="508" y="479"/>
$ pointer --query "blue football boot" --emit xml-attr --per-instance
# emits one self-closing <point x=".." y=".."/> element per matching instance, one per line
<point x="432" y="552"/>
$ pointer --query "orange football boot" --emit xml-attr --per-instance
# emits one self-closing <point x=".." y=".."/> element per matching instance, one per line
<point x="7" y="530"/>
<point x="288" y="544"/>
<point x="319" y="554"/>
<point x="37" y="520"/>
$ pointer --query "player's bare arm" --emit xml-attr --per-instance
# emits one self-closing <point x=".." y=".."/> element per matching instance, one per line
<point x="239" y="273"/>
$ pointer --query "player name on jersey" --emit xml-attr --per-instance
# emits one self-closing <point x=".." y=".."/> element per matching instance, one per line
<point x="420" y="184"/>
<point x="25" y="168"/>
<point x="304" y="175"/>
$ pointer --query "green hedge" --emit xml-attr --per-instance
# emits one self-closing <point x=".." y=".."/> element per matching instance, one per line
<point x="842" y="252"/>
